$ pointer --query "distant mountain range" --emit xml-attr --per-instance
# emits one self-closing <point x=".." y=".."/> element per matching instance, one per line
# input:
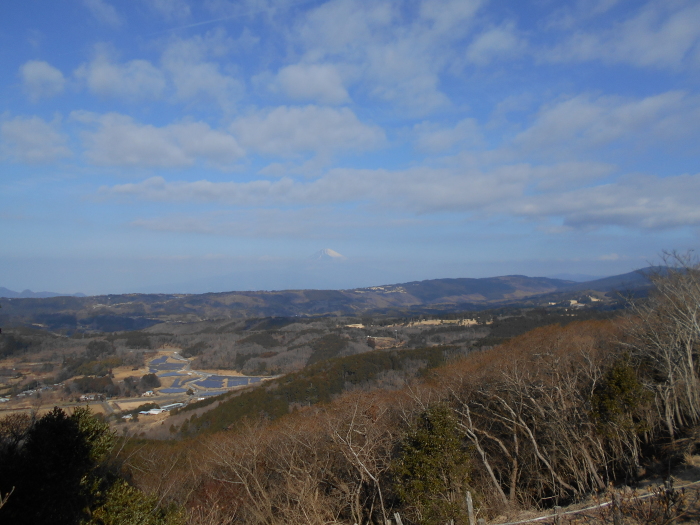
<point x="137" y="311"/>
<point x="28" y="294"/>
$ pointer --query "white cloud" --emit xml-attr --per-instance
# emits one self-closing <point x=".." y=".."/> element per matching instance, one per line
<point x="585" y="122"/>
<point x="569" y="14"/>
<point x="446" y="16"/>
<point x="496" y="43"/>
<point x="635" y="201"/>
<point x="186" y="74"/>
<point x="403" y="75"/>
<point x="316" y="82"/>
<point x="567" y="175"/>
<point x="661" y="34"/>
<point x="396" y="54"/>
<point x="420" y="190"/>
<point x="41" y="80"/>
<point x="119" y="141"/>
<point x="431" y="138"/>
<point x="345" y="27"/>
<point x="194" y="77"/>
<point x="291" y="131"/>
<point x="103" y="12"/>
<point x="134" y="80"/>
<point x="32" y="140"/>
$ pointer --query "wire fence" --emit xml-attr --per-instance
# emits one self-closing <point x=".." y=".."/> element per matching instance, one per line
<point x="558" y="514"/>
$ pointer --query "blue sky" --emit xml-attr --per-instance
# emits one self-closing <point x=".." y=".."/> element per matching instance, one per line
<point x="167" y="145"/>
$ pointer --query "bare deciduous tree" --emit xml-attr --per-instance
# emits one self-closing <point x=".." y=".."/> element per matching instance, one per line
<point x="665" y="335"/>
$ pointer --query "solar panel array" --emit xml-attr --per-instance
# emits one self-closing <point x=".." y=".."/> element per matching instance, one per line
<point x="168" y="366"/>
<point x="237" y="381"/>
<point x="180" y="381"/>
<point x="225" y="381"/>
<point x="163" y="368"/>
<point x="207" y="394"/>
<point x="210" y="382"/>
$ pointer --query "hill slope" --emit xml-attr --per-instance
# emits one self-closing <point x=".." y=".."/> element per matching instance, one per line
<point x="136" y="311"/>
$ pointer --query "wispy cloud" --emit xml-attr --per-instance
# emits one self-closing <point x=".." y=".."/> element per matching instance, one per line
<point x="315" y="82"/>
<point x="636" y="202"/>
<point x="587" y="122"/>
<point x="291" y="131"/>
<point x="660" y="34"/>
<point x="41" y="79"/>
<point x="134" y="80"/>
<point x="32" y="140"/>
<point x="117" y="140"/>
<point x="104" y="12"/>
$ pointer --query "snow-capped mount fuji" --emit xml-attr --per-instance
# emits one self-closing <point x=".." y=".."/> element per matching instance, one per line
<point x="327" y="255"/>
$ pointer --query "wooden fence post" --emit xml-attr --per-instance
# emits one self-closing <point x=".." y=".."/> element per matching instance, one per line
<point x="557" y="515"/>
<point x="617" y="512"/>
<point x="470" y="508"/>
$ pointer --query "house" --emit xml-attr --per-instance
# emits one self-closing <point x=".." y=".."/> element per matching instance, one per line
<point x="147" y="393"/>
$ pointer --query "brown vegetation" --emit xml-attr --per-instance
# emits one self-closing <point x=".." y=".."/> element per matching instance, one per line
<point x="548" y="418"/>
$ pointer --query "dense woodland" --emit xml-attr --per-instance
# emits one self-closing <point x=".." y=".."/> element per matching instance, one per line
<point x="545" y="418"/>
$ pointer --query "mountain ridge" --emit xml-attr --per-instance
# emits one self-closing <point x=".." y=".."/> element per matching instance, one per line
<point x="137" y="311"/>
<point x="28" y="294"/>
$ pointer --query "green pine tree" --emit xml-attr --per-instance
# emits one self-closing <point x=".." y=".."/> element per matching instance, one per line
<point x="431" y="473"/>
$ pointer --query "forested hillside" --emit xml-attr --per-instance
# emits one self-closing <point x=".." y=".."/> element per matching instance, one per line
<point x="546" y="418"/>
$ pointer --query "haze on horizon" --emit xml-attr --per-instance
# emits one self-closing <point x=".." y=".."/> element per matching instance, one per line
<point x="217" y="145"/>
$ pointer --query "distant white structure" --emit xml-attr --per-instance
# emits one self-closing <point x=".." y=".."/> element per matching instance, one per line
<point x="152" y="412"/>
<point x="168" y="408"/>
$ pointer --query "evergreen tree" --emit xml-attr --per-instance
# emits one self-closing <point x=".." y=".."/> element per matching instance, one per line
<point x="55" y="470"/>
<point x="432" y="470"/>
